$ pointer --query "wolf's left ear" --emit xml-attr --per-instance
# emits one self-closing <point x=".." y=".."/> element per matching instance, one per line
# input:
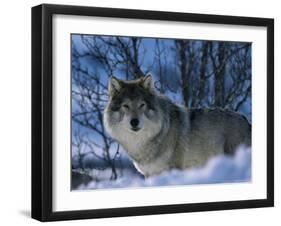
<point x="148" y="83"/>
<point x="114" y="85"/>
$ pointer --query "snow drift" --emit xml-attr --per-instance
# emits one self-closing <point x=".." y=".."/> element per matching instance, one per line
<point x="220" y="169"/>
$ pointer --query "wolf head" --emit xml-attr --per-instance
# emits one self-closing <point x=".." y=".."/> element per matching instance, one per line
<point x="131" y="102"/>
<point x="131" y="114"/>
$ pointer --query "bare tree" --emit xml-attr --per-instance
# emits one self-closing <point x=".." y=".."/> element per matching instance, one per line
<point x="214" y="73"/>
<point x="89" y="96"/>
<point x="117" y="53"/>
<point x="185" y="67"/>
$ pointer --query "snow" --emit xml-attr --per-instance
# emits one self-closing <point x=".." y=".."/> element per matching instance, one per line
<point x="219" y="169"/>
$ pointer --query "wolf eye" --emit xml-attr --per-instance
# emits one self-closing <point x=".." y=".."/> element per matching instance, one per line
<point x="126" y="106"/>
<point x="142" y="105"/>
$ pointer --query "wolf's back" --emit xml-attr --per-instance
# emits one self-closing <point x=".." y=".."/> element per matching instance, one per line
<point x="228" y="127"/>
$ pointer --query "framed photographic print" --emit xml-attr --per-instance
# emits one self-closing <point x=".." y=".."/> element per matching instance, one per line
<point x="145" y="112"/>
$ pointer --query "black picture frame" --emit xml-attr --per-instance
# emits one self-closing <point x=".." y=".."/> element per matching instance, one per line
<point x="42" y="111"/>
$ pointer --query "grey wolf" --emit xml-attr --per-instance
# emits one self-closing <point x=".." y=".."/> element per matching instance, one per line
<point x="159" y="135"/>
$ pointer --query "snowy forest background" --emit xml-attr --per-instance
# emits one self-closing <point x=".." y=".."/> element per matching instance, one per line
<point x="194" y="73"/>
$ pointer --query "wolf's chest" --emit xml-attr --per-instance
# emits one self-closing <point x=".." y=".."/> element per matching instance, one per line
<point x="133" y="142"/>
<point x="155" y="166"/>
<point x="135" y="146"/>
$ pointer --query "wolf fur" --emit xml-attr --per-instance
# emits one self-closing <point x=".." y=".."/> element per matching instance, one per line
<point x="159" y="135"/>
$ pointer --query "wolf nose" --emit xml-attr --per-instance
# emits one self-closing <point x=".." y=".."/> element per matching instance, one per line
<point x="134" y="122"/>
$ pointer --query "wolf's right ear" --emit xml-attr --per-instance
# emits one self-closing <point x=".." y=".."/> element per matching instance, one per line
<point x="148" y="83"/>
<point x="114" y="86"/>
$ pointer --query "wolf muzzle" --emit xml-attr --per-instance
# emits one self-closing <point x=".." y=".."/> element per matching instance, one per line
<point x="134" y="124"/>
